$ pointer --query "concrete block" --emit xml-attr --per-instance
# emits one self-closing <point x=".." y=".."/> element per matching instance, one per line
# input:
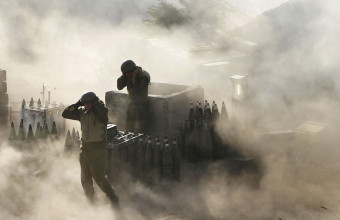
<point x="4" y="110"/>
<point x="168" y="104"/>
<point x="3" y="99"/>
<point x="2" y="75"/>
<point x="4" y="115"/>
<point x="3" y="87"/>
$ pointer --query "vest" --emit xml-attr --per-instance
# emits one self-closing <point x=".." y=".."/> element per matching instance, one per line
<point x="92" y="129"/>
<point x="142" y="94"/>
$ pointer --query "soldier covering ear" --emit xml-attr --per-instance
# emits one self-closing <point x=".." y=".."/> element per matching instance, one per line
<point x="93" y="120"/>
<point x="137" y="82"/>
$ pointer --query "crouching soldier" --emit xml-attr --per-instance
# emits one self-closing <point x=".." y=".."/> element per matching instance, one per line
<point x="92" y="114"/>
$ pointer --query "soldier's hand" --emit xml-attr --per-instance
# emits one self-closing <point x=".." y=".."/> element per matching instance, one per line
<point x="78" y="104"/>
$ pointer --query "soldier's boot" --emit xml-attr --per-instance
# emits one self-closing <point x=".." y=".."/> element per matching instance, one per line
<point x="114" y="201"/>
<point x="89" y="193"/>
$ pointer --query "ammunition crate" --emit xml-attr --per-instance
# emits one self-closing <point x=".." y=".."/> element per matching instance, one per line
<point x="167" y="106"/>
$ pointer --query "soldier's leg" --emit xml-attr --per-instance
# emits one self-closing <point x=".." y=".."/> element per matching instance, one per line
<point x="98" y="171"/>
<point x="145" y="118"/>
<point x="136" y="118"/>
<point x="129" y="118"/>
<point x="142" y="118"/>
<point x="86" y="177"/>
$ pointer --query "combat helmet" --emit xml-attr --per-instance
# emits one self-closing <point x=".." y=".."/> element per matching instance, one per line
<point x="88" y="97"/>
<point x="128" y="66"/>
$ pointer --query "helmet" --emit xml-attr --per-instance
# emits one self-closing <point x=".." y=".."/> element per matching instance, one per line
<point x="88" y="97"/>
<point x="128" y="66"/>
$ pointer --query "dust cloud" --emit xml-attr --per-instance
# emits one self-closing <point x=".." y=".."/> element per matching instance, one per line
<point x="293" y="75"/>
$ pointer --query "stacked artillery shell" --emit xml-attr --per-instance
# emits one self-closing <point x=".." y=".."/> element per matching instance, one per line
<point x="35" y="113"/>
<point x="196" y="109"/>
<point x="72" y="141"/>
<point x="192" y="116"/>
<point x="21" y="131"/>
<point x="215" y="114"/>
<point x="189" y="141"/>
<point x="140" y="159"/>
<point x="73" y="134"/>
<point x="224" y="113"/>
<point x="199" y="115"/>
<point x="30" y="139"/>
<point x="148" y="160"/>
<point x="149" y="155"/>
<point x="157" y="161"/>
<point x="54" y="132"/>
<point x="30" y="135"/>
<point x="19" y="140"/>
<point x="201" y="141"/>
<point x="31" y="105"/>
<point x="37" y="131"/>
<point x="166" y="140"/>
<point x="206" y="143"/>
<point x="176" y="167"/>
<point x="181" y="140"/>
<point x="145" y="159"/>
<point x="27" y="141"/>
<point x="23" y="106"/>
<point x="76" y="140"/>
<point x="167" y="160"/>
<point x="41" y="133"/>
<point x="4" y="102"/>
<point x="197" y="145"/>
<point x="68" y="142"/>
<point x="46" y="132"/>
<point x="39" y="103"/>
<point x="131" y="162"/>
<point x="219" y="149"/>
<point x="12" y="134"/>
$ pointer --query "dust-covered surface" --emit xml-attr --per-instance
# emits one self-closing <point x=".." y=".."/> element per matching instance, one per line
<point x="292" y="181"/>
<point x="293" y="73"/>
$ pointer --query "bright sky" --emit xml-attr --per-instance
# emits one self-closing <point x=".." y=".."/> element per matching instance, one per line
<point x="255" y="7"/>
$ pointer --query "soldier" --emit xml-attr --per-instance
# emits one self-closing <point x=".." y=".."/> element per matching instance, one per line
<point x="137" y="82"/>
<point x="92" y="114"/>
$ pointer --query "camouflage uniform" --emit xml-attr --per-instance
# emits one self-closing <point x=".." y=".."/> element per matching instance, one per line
<point x="92" y="158"/>
<point x="137" y="117"/>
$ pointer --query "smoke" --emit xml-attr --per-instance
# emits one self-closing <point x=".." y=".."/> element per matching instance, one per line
<point x="78" y="46"/>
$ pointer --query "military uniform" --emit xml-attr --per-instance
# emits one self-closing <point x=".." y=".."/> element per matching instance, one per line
<point x="137" y="117"/>
<point x="93" y="161"/>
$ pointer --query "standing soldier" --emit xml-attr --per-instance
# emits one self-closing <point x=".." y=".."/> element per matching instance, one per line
<point x="93" y="120"/>
<point x="137" y="82"/>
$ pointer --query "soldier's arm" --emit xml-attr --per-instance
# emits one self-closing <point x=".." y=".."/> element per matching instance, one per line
<point x="121" y="82"/>
<point x="72" y="112"/>
<point x="101" y="111"/>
